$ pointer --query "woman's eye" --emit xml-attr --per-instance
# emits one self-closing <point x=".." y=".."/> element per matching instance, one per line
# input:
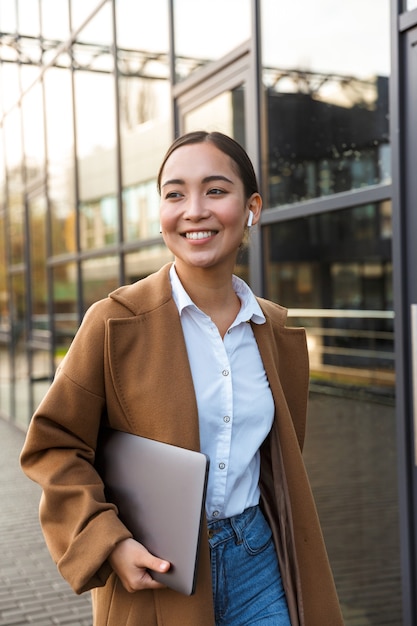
<point x="172" y="194"/>
<point x="216" y="192"/>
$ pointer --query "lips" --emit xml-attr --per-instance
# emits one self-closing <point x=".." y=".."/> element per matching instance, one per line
<point x="201" y="234"/>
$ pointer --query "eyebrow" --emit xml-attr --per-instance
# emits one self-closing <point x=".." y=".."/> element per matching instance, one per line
<point x="207" y="179"/>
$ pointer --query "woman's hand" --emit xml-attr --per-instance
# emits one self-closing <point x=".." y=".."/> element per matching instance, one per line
<point x="131" y="562"/>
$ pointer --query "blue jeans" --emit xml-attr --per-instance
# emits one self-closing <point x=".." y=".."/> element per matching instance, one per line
<point x="247" y="586"/>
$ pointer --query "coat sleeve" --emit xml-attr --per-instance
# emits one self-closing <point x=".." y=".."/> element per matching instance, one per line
<point x="80" y="527"/>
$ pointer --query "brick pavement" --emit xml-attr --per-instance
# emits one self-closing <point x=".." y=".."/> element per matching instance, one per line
<point x="32" y="591"/>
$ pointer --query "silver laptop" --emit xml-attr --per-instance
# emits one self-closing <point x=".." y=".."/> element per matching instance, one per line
<point x="159" y="490"/>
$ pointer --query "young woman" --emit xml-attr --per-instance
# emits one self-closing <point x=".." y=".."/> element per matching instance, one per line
<point x="190" y="356"/>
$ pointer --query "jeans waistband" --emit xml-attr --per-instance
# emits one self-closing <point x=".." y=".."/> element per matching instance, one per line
<point x="223" y="529"/>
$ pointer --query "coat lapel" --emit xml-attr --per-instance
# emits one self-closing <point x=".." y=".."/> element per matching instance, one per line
<point x="149" y="369"/>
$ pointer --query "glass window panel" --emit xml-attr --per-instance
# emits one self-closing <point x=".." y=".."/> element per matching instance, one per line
<point x="227" y="23"/>
<point x="60" y="148"/>
<point x="99" y="223"/>
<point x="141" y="211"/>
<point x="143" y="262"/>
<point x="153" y="35"/>
<point x="93" y="46"/>
<point x="327" y="110"/>
<point x="146" y="128"/>
<point x="28" y="17"/>
<point x="15" y="199"/>
<point x="5" y="335"/>
<point x="410" y="5"/>
<point x="33" y="133"/>
<point x="145" y="110"/>
<point x="100" y="276"/>
<point x="55" y="20"/>
<point x="10" y="85"/>
<point x="20" y="361"/>
<point x="8" y="16"/>
<point x="334" y="272"/>
<point x="65" y="307"/>
<point x="17" y="228"/>
<point x="29" y="74"/>
<point x="81" y="10"/>
<point x="96" y="135"/>
<point x="224" y="113"/>
<point x="13" y="144"/>
<point x="2" y="171"/>
<point x="351" y="459"/>
<point x="39" y="290"/>
<point x="40" y="333"/>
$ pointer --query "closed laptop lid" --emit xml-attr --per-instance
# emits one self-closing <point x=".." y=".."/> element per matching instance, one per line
<point x="159" y="490"/>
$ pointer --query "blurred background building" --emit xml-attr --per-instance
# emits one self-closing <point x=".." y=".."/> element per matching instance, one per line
<point x="320" y="93"/>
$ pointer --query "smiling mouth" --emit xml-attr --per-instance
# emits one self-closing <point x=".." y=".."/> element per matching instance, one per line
<point x="202" y="234"/>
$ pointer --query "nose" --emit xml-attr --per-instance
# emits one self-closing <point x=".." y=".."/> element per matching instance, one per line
<point x="196" y="208"/>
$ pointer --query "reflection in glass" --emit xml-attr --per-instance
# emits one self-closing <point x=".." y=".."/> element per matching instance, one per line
<point x="205" y="32"/>
<point x="33" y="133"/>
<point x="40" y="335"/>
<point x="60" y="150"/>
<point x="15" y="187"/>
<point x="20" y="398"/>
<point x="145" y="109"/>
<point x="96" y="147"/>
<point x="351" y="459"/>
<point x="92" y="49"/>
<point x="410" y="5"/>
<point x="39" y="290"/>
<point x="2" y="171"/>
<point x="141" y="211"/>
<point x="327" y="108"/>
<point x="143" y="262"/>
<point x="100" y="276"/>
<point x="16" y="224"/>
<point x="334" y="272"/>
<point x="224" y="113"/>
<point x="98" y="223"/>
<point x="65" y="307"/>
<point x="5" y="335"/>
<point x="97" y="32"/>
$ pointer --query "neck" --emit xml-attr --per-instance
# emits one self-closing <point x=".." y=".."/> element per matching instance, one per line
<point x="213" y="293"/>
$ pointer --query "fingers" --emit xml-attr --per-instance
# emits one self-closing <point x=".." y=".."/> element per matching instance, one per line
<point x="134" y="565"/>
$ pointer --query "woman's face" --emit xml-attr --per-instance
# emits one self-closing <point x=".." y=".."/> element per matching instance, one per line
<point x="203" y="209"/>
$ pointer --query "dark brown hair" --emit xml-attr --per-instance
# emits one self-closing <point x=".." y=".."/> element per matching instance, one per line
<point x="228" y="146"/>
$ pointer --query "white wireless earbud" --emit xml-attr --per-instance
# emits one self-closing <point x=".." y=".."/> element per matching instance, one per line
<point x="250" y="218"/>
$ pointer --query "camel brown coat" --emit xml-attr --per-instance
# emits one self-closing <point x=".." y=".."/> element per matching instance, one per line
<point x="128" y="367"/>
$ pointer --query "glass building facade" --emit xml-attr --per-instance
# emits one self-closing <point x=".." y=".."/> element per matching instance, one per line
<point x="92" y="92"/>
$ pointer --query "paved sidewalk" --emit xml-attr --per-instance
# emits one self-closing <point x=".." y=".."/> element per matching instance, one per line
<point x="31" y="589"/>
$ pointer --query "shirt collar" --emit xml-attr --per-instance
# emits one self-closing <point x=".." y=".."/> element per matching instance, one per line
<point x="249" y="311"/>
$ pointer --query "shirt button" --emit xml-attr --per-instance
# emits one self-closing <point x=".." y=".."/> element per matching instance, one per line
<point x="225" y="372"/>
<point x="216" y="513"/>
<point x="229" y="331"/>
<point x="222" y="465"/>
<point x="226" y="419"/>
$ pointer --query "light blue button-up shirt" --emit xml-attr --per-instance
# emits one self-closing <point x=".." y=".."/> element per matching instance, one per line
<point x="235" y="404"/>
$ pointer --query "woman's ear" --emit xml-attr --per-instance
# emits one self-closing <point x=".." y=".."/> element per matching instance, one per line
<point x="254" y="205"/>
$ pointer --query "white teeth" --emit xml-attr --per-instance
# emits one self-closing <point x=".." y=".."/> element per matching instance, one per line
<point x="200" y="235"/>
